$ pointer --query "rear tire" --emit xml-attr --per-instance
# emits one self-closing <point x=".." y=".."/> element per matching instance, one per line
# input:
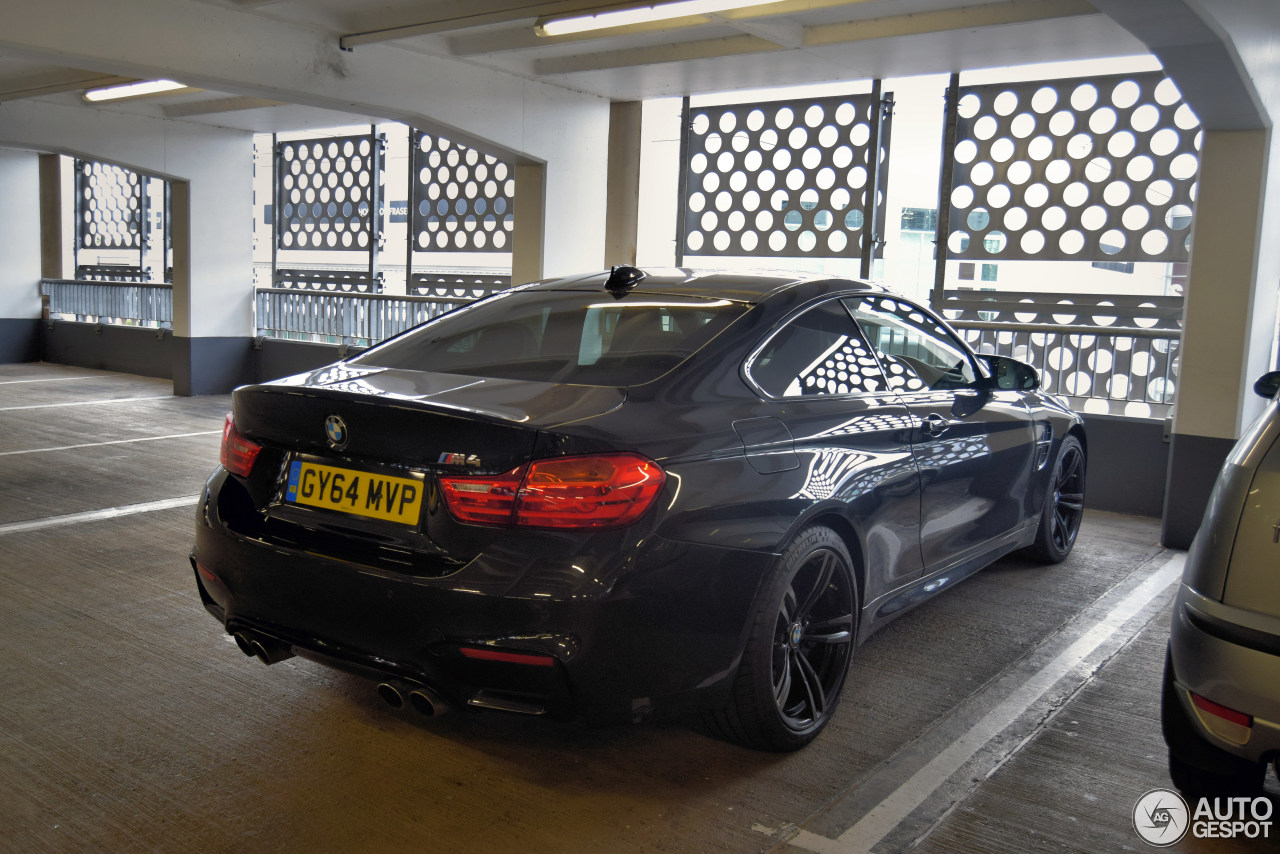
<point x="801" y="639"/>
<point x="1063" y="506"/>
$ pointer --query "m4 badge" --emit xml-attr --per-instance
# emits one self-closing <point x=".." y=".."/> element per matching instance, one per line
<point x="468" y="460"/>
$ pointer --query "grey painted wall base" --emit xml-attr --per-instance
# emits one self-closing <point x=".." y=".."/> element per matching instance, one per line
<point x="19" y="339"/>
<point x="196" y="365"/>
<point x="1194" y="462"/>
<point x="128" y="349"/>
<point x="211" y="365"/>
<point x="277" y="358"/>
<point x="1128" y="464"/>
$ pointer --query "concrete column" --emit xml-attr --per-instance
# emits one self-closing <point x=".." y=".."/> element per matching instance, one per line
<point x="21" y="254"/>
<point x="51" y="217"/>
<point x="529" y="211"/>
<point x="211" y="171"/>
<point x="212" y="226"/>
<point x="1229" y="325"/>
<point x="623" y="203"/>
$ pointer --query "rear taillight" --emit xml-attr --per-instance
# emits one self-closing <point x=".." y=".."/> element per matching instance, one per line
<point x="598" y="491"/>
<point x="238" y="453"/>
<point x="482" y="500"/>
<point x="587" y="492"/>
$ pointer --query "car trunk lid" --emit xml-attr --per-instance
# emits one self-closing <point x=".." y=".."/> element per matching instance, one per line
<point x="415" y="419"/>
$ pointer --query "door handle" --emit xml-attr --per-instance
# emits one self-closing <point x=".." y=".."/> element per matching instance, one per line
<point x="934" y="425"/>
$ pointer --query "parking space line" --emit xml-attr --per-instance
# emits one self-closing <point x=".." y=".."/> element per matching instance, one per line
<point x="884" y="817"/>
<point x="51" y="379"/>
<point x="84" y="402"/>
<point x="97" y="515"/>
<point x="112" y="442"/>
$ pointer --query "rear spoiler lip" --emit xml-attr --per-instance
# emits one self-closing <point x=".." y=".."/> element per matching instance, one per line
<point x="585" y="403"/>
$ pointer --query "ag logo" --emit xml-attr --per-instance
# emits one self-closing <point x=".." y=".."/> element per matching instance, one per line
<point x="1161" y="817"/>
<point x="335" y="432"/>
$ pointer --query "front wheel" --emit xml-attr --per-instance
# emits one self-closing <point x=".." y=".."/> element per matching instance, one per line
<point x="801" y="639"/>
<point x="1063" y="506"/>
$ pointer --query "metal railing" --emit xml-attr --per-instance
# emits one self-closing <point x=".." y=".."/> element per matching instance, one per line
<point x="359" y="319"/>
<point x="1130" y="371"/>
<point x="1119" y="370"/>
<point x="118" y="303"/>
<point x="1114" y="354"/>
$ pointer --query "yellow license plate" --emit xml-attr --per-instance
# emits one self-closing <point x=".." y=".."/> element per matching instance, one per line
<point x="377" y="496"/>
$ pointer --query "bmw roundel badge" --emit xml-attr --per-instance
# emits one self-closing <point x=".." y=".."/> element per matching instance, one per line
<point x="335" y="432"/>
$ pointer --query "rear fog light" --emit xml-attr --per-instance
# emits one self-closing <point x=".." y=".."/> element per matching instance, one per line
<point x="488" y="654"/>
<point x="1224" y="722"/>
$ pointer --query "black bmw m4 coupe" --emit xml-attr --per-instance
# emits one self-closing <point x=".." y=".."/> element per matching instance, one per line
<point x="626" y="494"/>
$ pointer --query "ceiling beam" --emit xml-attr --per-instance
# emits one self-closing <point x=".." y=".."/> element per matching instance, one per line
<point x="1200" y="57"/>
<point x="514" y="12"/>
<point x="524" y="38"/>
<point x="655" y="55"/>
<point x="786" y="34"/>
<point x="966" y="17"/>
<point x="56" y="82"/>
<point x="961" y="18"/>
<point x="212" y="106"/>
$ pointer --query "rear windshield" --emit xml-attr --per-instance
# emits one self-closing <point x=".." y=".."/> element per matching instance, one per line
<point x="575" y="337"/>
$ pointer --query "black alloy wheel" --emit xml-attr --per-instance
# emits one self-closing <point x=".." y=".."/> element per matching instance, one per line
<point x="1063" y="505"/>
<point x="811" y="641"/>
<point x="798" y="653"/>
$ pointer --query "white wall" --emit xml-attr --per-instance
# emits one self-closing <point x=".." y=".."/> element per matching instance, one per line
<point x="217" y="162"/>
<point x="19" y="234"/>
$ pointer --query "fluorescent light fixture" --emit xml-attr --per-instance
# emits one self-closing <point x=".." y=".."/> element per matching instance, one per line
<point x="132" y="90"/>
<point x="639" y="15"/>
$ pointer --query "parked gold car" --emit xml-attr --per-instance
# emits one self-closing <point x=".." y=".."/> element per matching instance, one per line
<point x="1221" y="698"/>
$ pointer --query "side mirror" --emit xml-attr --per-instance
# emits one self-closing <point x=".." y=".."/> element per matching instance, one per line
<point x="1009" y="373"/>
<point x="1267" y="385"/>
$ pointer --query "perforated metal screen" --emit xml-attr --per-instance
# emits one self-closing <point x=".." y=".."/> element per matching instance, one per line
<point x="1100" y="169"/>
<point x="352" y="281"/>
<point x="784" y="178"/>
<point x="328" y="193"/>
<point x="461" y="198"/>
<point x="457" y="285"/>
<point x="109" y="204"/>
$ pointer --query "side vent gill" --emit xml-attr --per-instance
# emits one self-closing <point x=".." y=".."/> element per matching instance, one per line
<point x="1044" y="442"/>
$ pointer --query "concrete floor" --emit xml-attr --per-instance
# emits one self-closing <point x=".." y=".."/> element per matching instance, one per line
<point x="130" y="722"/>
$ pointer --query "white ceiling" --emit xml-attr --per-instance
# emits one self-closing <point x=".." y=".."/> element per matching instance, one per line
<point x="786" y="43"/>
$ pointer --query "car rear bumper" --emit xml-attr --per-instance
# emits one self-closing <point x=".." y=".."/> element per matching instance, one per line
<point x="1230" y="657"/>
<point x="613" y="630"/>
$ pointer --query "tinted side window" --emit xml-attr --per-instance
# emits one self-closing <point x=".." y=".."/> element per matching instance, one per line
<point x="917" y="352"/>
<point x="821" y="352"/>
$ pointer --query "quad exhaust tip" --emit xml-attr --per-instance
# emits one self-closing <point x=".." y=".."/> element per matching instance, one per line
<point x="397" y="694"/>
<point x="265" y="649"/>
